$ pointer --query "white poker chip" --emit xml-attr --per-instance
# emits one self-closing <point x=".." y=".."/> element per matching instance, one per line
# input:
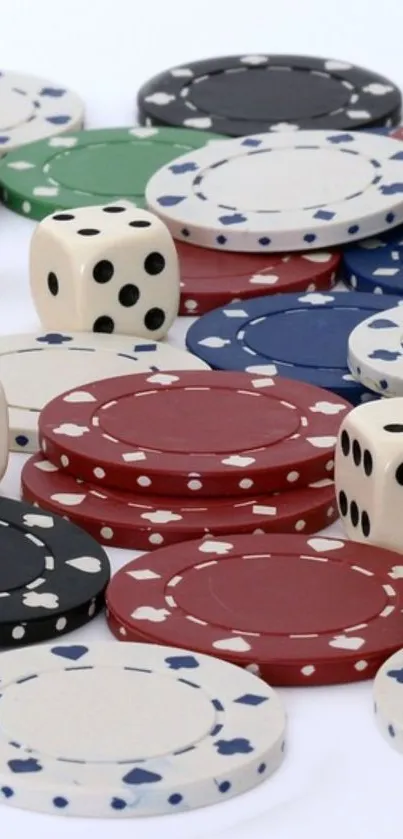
<point x="32" y="108"/>
<point x="34" y="368"/>
<point x="281" y="192"/>
<point x="375" y="352"/>
<point x="125" y="730"/>
<point x="388" y="700"/>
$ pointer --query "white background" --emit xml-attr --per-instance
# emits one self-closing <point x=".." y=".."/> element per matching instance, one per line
<point x="339" y="777"/>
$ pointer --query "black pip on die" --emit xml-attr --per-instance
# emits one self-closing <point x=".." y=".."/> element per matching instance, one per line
<point x="369" y="473"/>
<point x="111" y="268"/>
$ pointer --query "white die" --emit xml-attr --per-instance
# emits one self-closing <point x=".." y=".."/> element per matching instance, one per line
<point x="111" y="268"/>
<point x="369" y="473"/>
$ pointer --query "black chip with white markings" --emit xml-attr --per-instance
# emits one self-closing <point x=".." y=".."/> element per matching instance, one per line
<point x="52" y="575"/>
<point x="249" y="94"/>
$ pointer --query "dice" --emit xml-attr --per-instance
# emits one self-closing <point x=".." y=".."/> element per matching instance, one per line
<point x="4" y="432"/>
<point x="111" y="268"/>
<point x="369" y="473"/>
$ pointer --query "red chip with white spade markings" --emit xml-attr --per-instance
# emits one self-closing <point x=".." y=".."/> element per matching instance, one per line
<point x="128" y="520"/>
<point x="194" y="434"/>
<point x="296" y="610"/>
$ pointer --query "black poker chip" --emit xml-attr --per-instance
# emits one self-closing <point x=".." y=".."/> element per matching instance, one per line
<point x="52" y="575"/>
<point x="249" y="94"/>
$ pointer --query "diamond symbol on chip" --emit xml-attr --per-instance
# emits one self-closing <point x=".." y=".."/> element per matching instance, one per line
<point x="159" y="98"/>
<point x="316" y="299"/>
<point x="215" y="343"/>
<point x="238" y="460"/>
<point x="263" y="369"/>
<point x="143" y="574"/>
<point x="21" y="165"/>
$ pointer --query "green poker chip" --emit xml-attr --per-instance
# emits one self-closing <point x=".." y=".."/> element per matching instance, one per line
<point x="91" y="167"/>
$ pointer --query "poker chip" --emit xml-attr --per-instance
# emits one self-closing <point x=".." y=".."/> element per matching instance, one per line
<point x="83" y="730"/>
<point x="125" y="520"/>
<point x="33" y="108"/>
<point x="281" y="192"/>
<point x="375" y="264"/>
<point x="194" y="434"/>
<point x="210" y="278"/>
<point x="52" y="578"/>
<point x="34" y="368"/>
<point x="90" y="167"/>
<point x="388" y="696"/>
<point x="295" y="610"/>
<point x="301" y="337"/>
<point x="248" y="94"/>
<point x="375" y="353"/>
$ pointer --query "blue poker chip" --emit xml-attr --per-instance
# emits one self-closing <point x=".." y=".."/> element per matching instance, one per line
<point x="376" y="264"/>
<point x="299" y="336"/>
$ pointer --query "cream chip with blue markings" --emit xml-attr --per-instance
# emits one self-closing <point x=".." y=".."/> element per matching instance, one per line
<point x="126" y="730"/>
<point x="281" y="192"/>
<point x="388" y="700"/>
<point x="32" y="108"/>
<point x="375" y="352"/>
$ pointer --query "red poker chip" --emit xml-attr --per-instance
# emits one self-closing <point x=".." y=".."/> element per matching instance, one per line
<point x="297" y="610"/>
<point x="124" y="520"/>
<point x="198" y="433"/>
<point x="211" y="278"/>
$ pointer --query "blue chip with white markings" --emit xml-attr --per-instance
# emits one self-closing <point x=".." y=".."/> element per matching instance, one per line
<point x="298" y="336"/>
<point x="125" y="730"/>
<point x="376" y="264"/>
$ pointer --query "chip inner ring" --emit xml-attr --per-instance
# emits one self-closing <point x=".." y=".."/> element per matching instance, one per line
<point x="247" y="93"/>
<point x="101" y="729"/>
<point x="260" y="599"/>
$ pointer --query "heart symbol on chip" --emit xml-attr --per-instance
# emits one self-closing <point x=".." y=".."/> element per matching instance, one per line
<point x="89" y="564"/>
